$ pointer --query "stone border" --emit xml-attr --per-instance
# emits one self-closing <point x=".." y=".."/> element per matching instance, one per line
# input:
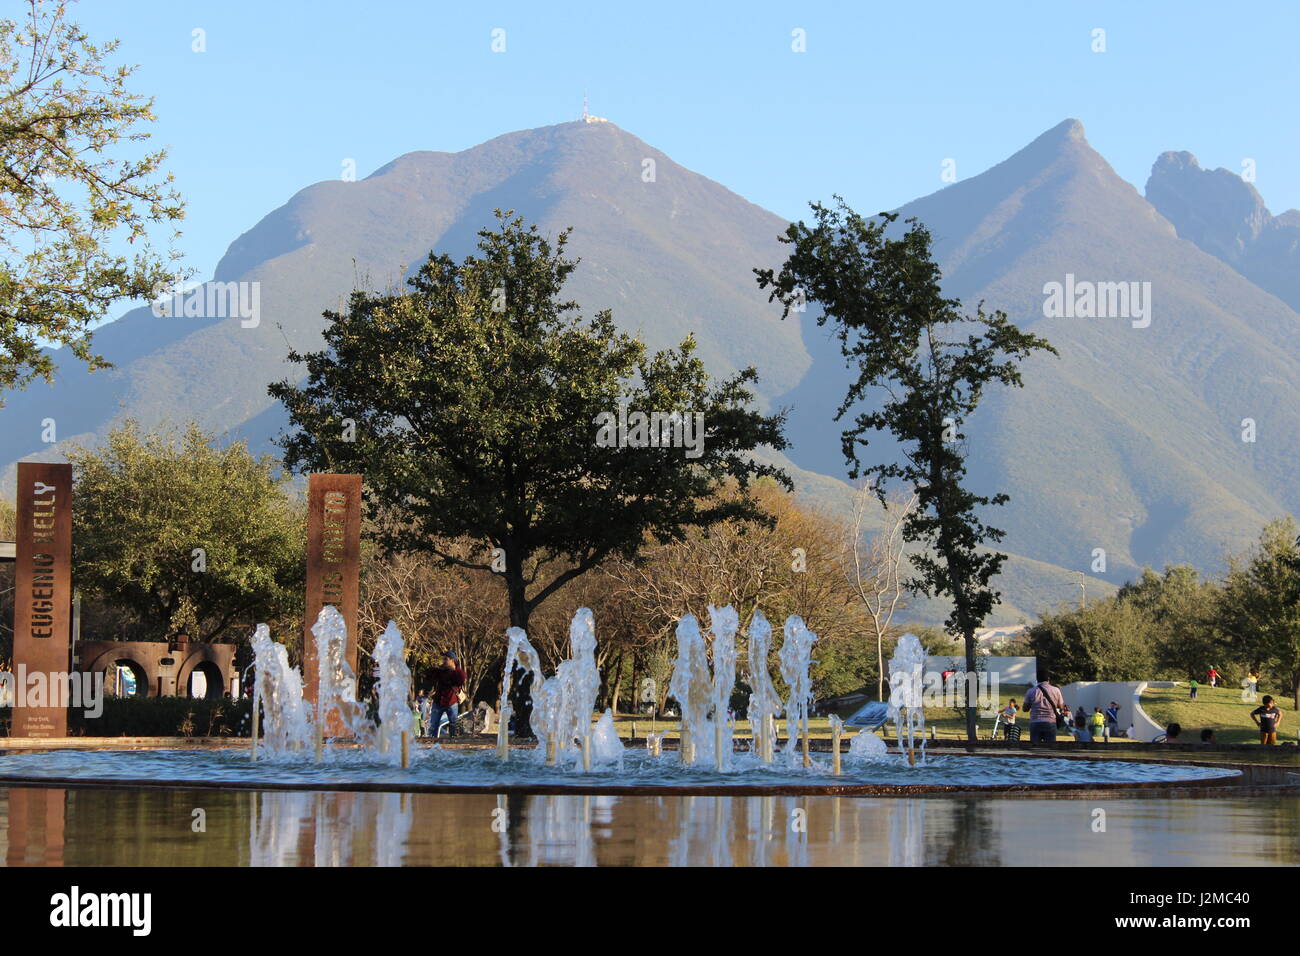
<point x="1252" y="779"/>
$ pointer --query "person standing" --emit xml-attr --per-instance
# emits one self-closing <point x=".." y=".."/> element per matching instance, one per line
<point x="1212" y="676"/>
<point x="1194" y="686"/>
<point x="1267" y="718"/>
<point x="1098" y="724"/>
<point x="1044" y="703"/>
<point x="1254" y="682"/>
<point x="448" y="680"/>
<point x="1008" y="714"/>
<point x="1112" y="720"/>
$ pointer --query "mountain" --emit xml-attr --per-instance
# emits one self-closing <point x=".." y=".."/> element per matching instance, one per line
<point x="1224" y="215"/>
<point x="670" y="256"/>
<point x="1131" y="441"/>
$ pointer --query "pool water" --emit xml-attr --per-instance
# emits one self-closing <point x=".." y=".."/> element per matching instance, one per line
<point x="123" y="827"/>
<point x="434" y="766"/>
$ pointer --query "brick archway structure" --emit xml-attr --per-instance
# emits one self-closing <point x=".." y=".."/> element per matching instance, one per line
<point x="163" y="669"/>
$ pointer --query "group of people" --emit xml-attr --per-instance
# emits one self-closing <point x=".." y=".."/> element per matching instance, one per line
<point x="1212" y="677"/>
<point x="1048" y="713"/>
<point x="441" y="702"/>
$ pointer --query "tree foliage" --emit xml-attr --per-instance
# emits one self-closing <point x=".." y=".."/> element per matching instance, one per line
<point x="471" y="403"/>
<point x="1182" y="624"/>
<point x="923" y="364"/>
<point x="1260" y="604"/>
<point x="70" y="194"/>
<point x="191" y="538"/>
<point x="1108" y="640"/>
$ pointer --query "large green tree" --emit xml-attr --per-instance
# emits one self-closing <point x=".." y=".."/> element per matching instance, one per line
<point x="191" y="537"/>
<point x="923" y="364"/>
<point x="74" y="192"/>
<point x="476" y="406"/>
<point x="1107" y="640"/>
<point x="1260" y="604"/>
<point x="1180" y="607"/>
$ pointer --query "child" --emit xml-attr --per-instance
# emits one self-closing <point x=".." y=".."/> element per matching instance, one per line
<point x="1098" y="724"/>
<point x="1194" y="686"/>
<point x="1267" y="718"/>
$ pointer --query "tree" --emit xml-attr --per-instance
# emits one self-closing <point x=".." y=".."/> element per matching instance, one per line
<point x="1181" y="610"/>
<point x="932" y="362"/>
<point x="191" y="538"/>
<point x="790" y="564"/>
<point x="876" y="569"/>
<point x="1260" y="604"/>
<point x="1108" y="640"/>
<point x="65" y="201"/>
<point x="437" y="608"/>
<point x="481" y="404"/>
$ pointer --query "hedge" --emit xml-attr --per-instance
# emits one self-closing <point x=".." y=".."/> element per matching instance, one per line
<point x="157" y="717"/>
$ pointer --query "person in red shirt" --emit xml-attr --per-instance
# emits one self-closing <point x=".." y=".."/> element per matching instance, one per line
<point x="1212" y="677"/>
<point x="448" y="679"/>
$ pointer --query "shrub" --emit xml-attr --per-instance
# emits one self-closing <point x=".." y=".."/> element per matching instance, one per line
<point x="157" y="717"/>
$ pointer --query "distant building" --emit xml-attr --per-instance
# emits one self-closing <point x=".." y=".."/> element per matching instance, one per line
<point x="587" y="117"/>
<point x="987" y="639"/>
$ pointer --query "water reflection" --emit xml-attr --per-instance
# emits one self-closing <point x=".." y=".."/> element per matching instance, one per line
<point x="110" y="827"/>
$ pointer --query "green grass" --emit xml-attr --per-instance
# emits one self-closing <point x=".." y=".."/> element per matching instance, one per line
<point x="1220" y="708"/>
<point x="948" y="722"/>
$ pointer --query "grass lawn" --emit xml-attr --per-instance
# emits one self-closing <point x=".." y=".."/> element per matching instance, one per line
<point x="948" y="722"/>
<point x="1218" y="707"/>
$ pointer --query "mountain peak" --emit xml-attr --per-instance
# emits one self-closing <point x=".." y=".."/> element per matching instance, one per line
<point x="1216" y="209"/>
<point x="1067" y="129"/>
<point x="1224" y="215"/>
<point x="1065" y="140"/>
<point x="1175" y="161"/>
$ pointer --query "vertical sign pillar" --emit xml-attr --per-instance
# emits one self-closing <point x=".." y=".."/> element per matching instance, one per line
<point x="333" y="567"/>
<point x="42" y="600"/>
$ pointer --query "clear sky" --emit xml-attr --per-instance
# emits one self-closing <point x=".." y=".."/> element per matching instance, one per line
<point x="884" y="93"/>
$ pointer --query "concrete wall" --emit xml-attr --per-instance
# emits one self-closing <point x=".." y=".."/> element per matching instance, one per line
<point x="1090" y="694"/>
<point x="1010" y="670"/>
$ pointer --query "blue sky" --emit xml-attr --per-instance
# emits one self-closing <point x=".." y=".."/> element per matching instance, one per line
<point x="885" y="92"/>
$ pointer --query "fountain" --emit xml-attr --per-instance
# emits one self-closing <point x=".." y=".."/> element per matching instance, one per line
<point x="396" y="721"/>
<point x="906" y="695"/>
<point x="866" y="747"/>
<point x="337" y="709"/>
<point x="796" y="661"/>
<point x="277" y="693"/>
<point x="724" y="622"/>
<point x="563" y="704"/>
<point x="575" y="753"/>
<point x="605" y="745"/>
<point x="764" y="702"/>
<point x="519" y="654"/>
<point x="692" y="688"/>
